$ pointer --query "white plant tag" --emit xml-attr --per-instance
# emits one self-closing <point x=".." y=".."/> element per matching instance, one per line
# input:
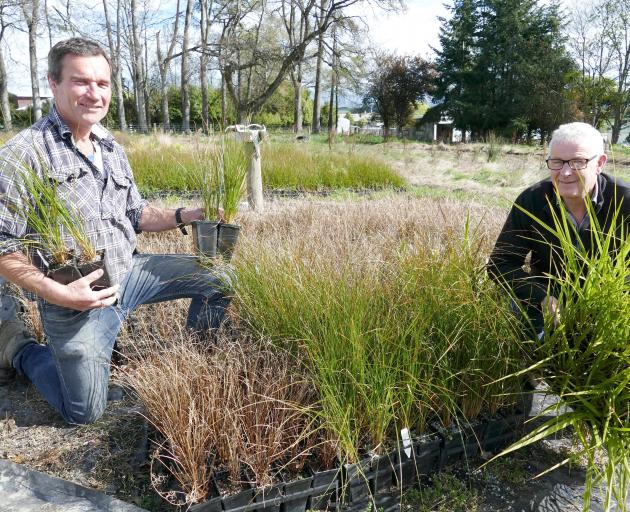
<point x="406" y="441"/>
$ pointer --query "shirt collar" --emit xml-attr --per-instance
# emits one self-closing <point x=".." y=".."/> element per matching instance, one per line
<point x="98" y="131"/>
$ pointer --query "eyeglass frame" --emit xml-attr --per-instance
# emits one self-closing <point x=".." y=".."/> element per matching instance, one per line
<point x="588" y="161"/>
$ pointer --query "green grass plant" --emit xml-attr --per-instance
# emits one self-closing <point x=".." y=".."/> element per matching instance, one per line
<point x="160" y="165"/>
<point x="234" y="166"/>
<point x="585" y="356"/>
<point x="303" y="167"/>
<point x="50" y="219"/>
<point x="394" y="341"/>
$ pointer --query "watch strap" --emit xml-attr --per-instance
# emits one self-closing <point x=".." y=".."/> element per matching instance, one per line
<point x="179" y="221"/>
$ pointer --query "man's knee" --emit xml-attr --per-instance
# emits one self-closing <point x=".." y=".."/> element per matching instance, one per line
<point x="86" y="414"/>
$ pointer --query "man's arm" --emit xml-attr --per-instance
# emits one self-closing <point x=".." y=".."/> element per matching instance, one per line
<point x="162" y="219"/>
<point x="507" y="259"/>
<point x="78" y="295"/>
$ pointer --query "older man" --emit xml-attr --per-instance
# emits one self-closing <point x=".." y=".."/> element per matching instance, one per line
<point x="576" y="160"/>
<point x="93" y="176"/>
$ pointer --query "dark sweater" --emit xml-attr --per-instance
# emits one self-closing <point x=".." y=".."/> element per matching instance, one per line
<point x="522" y="235"/>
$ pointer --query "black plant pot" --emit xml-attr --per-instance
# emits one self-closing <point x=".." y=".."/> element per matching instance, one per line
<point x="102" y="282"/>
<point x="296" y="495"/>
<point x="383" y="471"/>
<point x="72" y="271"/>
<point x="205" y="235"/>
<point x="213" y="505"/>
<point x="226" y="240"/>
<point x="65" y="274"/>
<point x="356" y="483"/>
<point x="428" y="451"/>
<point x="269" y="498"/>
<point x="325" y="489"/>
<point x="460" y="441"/>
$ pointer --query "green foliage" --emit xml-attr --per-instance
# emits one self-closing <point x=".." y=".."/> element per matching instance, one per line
<point x="291" y="166"/>
<point x="50" y="219"/>
<point x="584" y="356"/>
<point x="170" y="165"/>
<point x="390" y="343"/>
<point x="397" y="85"/>
<point x="503" y="60"/>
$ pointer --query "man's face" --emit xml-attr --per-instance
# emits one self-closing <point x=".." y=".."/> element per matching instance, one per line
<point x="82" y="95"/>
<point x="572" y="184"/>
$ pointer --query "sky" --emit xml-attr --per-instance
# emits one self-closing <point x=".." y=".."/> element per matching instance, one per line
<point x="412" y="32"/>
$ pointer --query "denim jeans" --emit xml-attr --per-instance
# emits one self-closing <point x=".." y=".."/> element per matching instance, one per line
<point x="72" y="371"/>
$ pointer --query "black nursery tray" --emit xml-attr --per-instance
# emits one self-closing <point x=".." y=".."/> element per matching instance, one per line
<point x="376" y="482"/>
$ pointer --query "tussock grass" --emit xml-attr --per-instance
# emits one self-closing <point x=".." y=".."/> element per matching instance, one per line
<point x="585" y="357"/>
<point x="391" y="310"/>
<point x="221" y="407"/>
<point x="166" y="163"/>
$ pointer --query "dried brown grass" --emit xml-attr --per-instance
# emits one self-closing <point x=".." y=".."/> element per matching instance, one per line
<point x="239" y="404"/>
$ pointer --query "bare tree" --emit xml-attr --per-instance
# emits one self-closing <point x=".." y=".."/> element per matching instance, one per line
<point x="163" y="63"/>
<point x="115" y="53"/>
<point x="268" y="62"/>
<point x="137" y="66"/>
<point x="297" y="24"/>
<point x="619" y="38"/>
<point x="316" y="122"/>
<point x="7" y="20"/>
<point x="205" y="24"/>
<point x="185" y="78"/>
<point x="31" y="14"/>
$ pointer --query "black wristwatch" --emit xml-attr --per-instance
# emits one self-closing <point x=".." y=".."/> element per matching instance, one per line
<point x="179" y="221"/>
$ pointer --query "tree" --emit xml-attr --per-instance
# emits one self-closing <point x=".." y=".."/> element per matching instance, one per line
<point x="115" y="49"/>
<point x="31" y="13"/>
<point x="163" y="63"/>
<point x="8" y="17"/>
<point x="502" y="61"/>
<point x="258" y="50"/>
<point x="398" y="83"/>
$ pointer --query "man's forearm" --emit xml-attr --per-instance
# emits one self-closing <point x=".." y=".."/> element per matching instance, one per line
<point x="16" y="267"/>
<point x="161" y="219"/>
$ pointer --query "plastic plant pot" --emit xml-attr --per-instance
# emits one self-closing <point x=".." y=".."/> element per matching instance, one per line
<point x="240" y="501"/>
<point x="428" y="450"/>
<point x="461" y="441"/>
<point x="205" y="233"/>
<point x="383" y="470"/>
<point x="65" y="274"/>
<point x="296" y="495"/>
<point x="325" y="489"/>
<point x="213" y="505"/>
<point x="356" y="482"/>
<point x="226" y="239"/>
<point x="404" y="469"/>
<point x="269" y="498"/>
<point x="103" y="281"/>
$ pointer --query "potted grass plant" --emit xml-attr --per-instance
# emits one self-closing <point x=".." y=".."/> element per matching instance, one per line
<point x="234" y="165"/>
<point x="584" y="356"/>
<point x="53" y="226"/>
<point x="207" y="180"/>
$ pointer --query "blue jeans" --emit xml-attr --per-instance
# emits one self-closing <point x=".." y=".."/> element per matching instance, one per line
<point x="72" y="371"/>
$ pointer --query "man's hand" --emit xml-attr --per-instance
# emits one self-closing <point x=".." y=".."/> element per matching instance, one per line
<point x="550" y="306"/>
<point x="81" y="297"/>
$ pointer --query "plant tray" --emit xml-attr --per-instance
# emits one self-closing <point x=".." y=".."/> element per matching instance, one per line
<point x="379" y="481"/>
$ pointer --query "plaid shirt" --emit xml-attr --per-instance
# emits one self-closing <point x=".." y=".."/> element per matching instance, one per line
<point x="110" y="208"/>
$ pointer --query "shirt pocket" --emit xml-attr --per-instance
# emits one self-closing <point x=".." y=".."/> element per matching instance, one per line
<point x="78" y="190"/>
<point x="115" y="196"/>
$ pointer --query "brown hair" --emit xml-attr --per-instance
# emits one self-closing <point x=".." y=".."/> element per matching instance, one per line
<point x="74" y="46"/>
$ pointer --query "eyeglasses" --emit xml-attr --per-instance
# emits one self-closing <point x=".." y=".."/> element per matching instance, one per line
<point x="577" y="164"/>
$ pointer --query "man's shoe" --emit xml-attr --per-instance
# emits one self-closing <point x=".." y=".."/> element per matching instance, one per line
<point x="13" y="338"/>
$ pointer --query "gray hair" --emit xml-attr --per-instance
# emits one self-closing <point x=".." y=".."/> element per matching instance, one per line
<point x="572" y="132"/>
<point x="74" y="46"/>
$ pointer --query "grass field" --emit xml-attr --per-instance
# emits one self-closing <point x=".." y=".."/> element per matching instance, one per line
<point x="393" y="220"/>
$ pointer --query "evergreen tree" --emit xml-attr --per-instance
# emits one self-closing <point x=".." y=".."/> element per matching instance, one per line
<point x="503" y="68"/>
